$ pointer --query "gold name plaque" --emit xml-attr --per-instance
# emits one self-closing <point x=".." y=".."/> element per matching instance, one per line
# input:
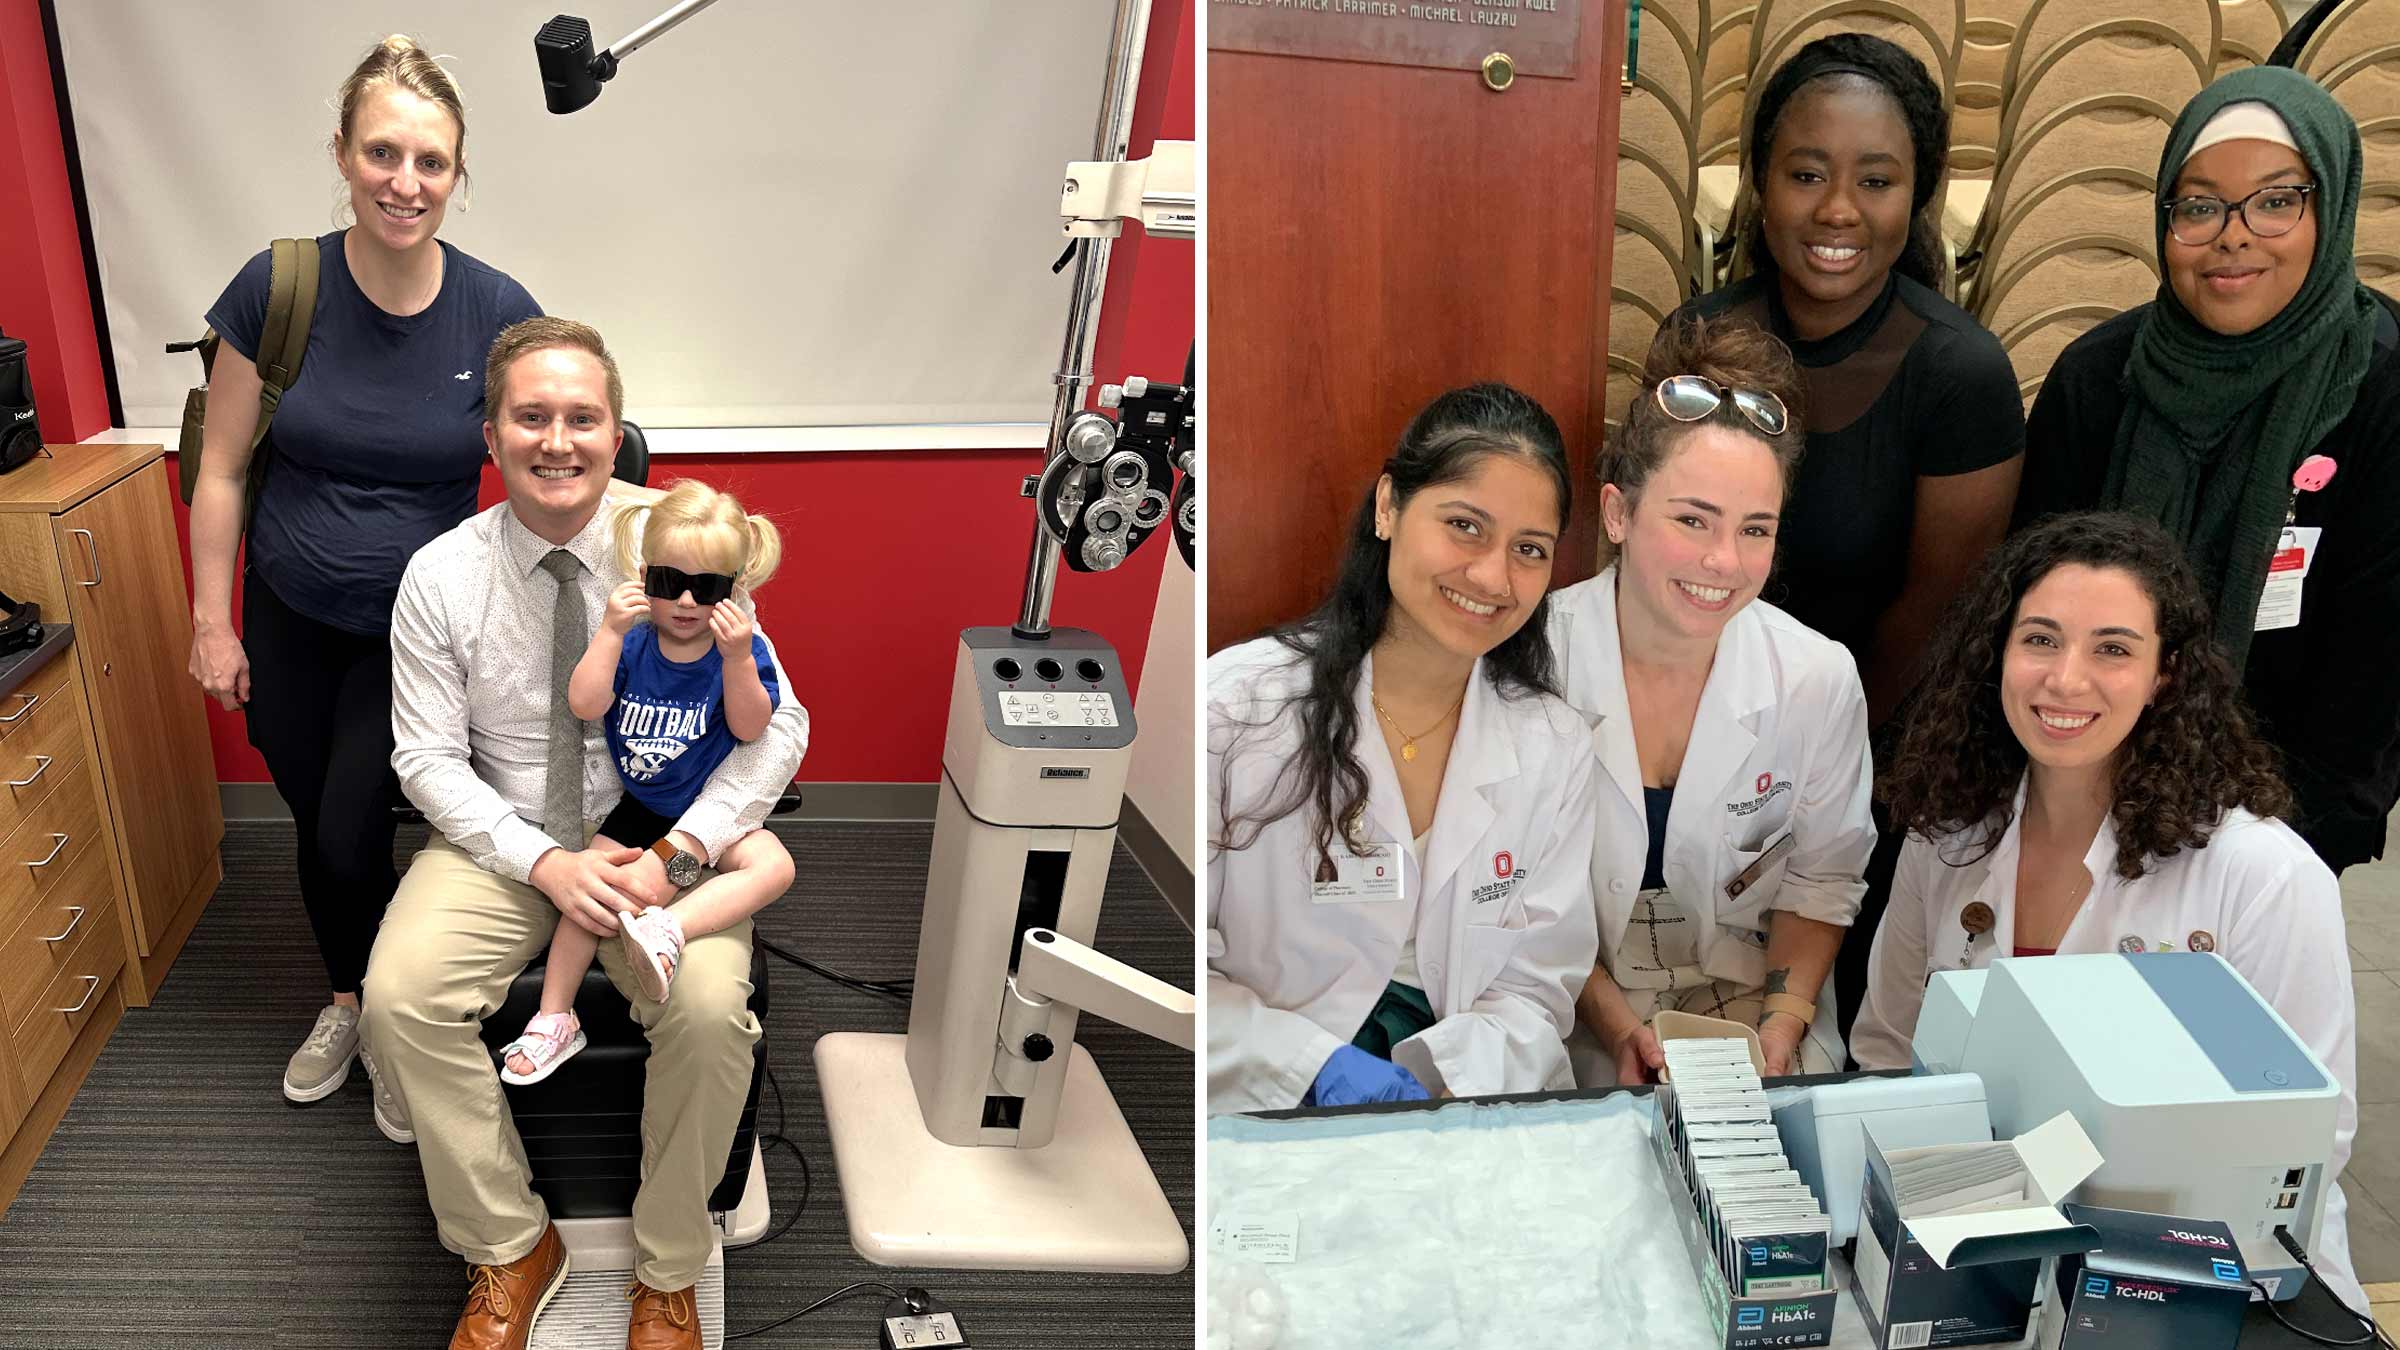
<point x="1539" y="36"/>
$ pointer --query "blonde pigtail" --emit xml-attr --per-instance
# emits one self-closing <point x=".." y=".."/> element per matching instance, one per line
<point x="766" y="551"/>
<point x="625" y="538"/>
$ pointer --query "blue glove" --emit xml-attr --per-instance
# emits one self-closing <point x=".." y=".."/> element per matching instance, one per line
<point x="1352" y="1076"/>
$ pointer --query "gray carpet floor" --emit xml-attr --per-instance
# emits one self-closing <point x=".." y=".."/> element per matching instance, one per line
<point x="183" y="1202"/>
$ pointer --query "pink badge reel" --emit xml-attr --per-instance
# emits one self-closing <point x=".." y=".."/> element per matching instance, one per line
<point x="2314" y="473"/>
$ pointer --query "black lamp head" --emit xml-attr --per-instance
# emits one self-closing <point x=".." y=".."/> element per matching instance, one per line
<point x="571" y="71"/>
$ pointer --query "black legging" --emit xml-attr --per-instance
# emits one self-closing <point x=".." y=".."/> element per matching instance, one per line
<point x="320" y="711"/>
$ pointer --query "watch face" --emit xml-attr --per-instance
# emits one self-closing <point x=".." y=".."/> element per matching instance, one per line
<point x="683" y="869"/>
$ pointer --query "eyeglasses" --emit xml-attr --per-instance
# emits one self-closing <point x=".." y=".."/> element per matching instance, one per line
<point x="668" y="583"/>
<point x="2267" y="213"/>
<point x="1690" y="398"/>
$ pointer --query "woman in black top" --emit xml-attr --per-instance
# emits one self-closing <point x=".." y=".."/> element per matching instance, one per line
<point x="1915" y="429"/>
<point x="1914" y="423"/>
<point x="374" y="450"/>
<point x="2215" y="408"/>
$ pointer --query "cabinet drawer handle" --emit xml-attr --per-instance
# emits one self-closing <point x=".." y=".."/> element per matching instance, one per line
<point x="91" y="549"/>
<point x="87" y="997"/>
<point x="41" y="765"/>
<point x="55" y="850"/>
<point x="18" y="715"/>
<point x="72" y="925"/>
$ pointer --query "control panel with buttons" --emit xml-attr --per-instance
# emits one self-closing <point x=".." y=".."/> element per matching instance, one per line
<point x="1065" y="691"/>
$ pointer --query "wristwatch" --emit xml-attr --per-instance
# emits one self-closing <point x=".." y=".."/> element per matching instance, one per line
<point x="682" y="868"/>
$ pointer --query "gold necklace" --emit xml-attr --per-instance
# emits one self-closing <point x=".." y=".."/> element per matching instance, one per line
<point x="1408" y="743"/>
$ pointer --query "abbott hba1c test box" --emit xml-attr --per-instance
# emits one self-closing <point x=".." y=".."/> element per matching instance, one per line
<point x="1951" y="1237"/>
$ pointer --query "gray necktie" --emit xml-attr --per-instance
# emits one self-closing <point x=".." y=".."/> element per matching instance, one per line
<point x="562" y="795"/>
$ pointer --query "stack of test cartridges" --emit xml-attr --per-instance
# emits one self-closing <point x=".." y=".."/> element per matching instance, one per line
<point x="1767" y="1229"/>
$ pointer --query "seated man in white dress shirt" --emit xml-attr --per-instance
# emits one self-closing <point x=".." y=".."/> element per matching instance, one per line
<point x="490" y="619"/>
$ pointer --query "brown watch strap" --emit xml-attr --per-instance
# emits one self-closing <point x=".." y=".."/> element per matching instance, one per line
<point x="666" y="850"/>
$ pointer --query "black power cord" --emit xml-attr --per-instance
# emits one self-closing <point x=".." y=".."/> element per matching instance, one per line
<point x="807" y="1179"/>
<point x="897" y="991"/>
<point x="807" y="1185"/>
<point x="2374" y="1334"/>
<point x="848" y="1291"/>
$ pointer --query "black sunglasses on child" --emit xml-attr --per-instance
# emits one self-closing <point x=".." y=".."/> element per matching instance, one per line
<point x="669" y="583"/>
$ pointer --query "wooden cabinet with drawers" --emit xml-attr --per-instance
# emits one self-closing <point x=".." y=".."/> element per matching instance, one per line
<point x="109" y="818"/>
<point x="63" y="923"/>
<point x="90" y="534"/>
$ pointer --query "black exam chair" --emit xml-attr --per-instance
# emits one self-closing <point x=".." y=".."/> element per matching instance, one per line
<point x="633" y="457"/>
<point x="582" y="1126"/>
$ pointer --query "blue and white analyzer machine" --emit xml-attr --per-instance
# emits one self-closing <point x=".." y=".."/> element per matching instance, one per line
<point x="2202" y="1101"/>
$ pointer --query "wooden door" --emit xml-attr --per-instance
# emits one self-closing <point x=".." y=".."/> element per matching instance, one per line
<point x="1378" y="234"/>
<point x="125" y="594"/>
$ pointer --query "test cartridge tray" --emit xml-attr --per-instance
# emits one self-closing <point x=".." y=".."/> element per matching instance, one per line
<point x="1795" y="1320"/>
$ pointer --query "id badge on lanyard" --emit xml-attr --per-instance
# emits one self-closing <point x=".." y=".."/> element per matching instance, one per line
<point x="2287" y="570"/>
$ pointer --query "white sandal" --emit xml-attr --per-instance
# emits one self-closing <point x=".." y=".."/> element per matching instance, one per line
<point x="653" y="946"/>
<point x="550" y="1039"/>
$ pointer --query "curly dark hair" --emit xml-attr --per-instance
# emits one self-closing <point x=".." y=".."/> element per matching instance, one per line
<point x="2192" y="755"/>
<point x="1443" y="444"/>
<point x="1873" y="60"/>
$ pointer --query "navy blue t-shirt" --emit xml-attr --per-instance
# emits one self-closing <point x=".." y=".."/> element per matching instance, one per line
<point x="378" y="446"/>
<point x="667" y="729"/>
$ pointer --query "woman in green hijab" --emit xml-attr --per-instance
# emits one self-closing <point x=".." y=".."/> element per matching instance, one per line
<point x="2252" y="409"/>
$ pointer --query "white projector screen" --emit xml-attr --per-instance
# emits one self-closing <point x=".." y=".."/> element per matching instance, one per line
<point x="783" y="213"/>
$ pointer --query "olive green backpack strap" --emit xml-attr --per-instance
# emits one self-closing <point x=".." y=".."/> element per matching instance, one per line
<point x="291" y="303"/>
<point x="282" y="341"/>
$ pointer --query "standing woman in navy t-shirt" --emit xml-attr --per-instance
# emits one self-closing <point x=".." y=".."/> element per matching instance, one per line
<point x="376" y="448"/>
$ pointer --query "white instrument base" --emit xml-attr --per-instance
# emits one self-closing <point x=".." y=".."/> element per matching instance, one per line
<point x="1087" y="1201"/>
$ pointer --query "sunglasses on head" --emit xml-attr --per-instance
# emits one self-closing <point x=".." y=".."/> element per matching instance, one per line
<point x="669" y="583"/>
<point x="1689" y="398"/>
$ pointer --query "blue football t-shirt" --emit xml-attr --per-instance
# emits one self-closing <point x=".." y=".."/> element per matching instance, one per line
<point x="667" y="729"/>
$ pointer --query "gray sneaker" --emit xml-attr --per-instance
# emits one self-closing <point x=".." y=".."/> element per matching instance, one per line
<point x="322" y="1063"/>
<point x="391" y="1115"/>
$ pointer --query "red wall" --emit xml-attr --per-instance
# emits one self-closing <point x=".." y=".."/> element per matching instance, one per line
<point x="42" y="296"/>
<point x="867" y="629"/>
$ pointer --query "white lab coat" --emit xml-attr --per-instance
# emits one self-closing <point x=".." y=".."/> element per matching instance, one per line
<point x="1778" y="745"/>
<point x="2262" y="897"/>
<point x="1502" y="912"/>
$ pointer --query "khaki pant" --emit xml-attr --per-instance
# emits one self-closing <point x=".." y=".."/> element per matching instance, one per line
<point x="452" y="941"/>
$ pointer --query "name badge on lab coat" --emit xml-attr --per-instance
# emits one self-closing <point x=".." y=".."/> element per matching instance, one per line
<point x="1749" y="876"/>
<point x="2279" y="603"/>
<point x="1359" y="878"/>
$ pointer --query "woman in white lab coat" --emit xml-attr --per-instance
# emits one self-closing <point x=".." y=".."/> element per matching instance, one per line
<point x="1732" y="808"/>
<point x="1399" y="804"/>
<point x="2081" y="775"/>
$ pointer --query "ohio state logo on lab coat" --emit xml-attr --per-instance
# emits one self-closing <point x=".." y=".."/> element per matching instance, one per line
<point x="1767" y="789"/>
<point x="1503" y="866"/>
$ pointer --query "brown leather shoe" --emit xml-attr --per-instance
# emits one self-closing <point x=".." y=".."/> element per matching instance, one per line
<point x="502" y="1301"/>
<point x="660" y="1320"/>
